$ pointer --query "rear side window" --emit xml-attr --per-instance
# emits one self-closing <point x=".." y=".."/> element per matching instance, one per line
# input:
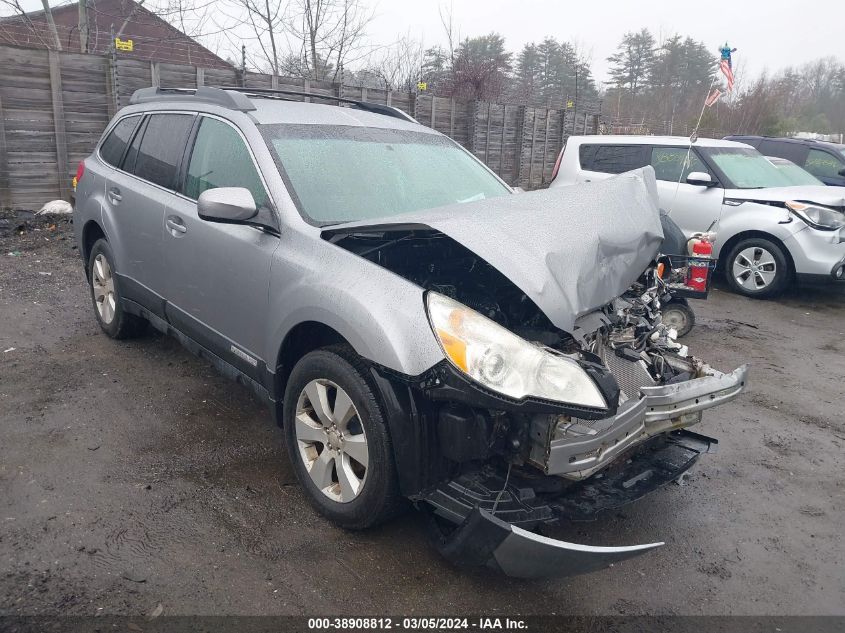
<point x="791" y="151"/>
<point x="822" y="164"/>
<point x="670" y="163"/>
<point x="221" y="159"/>
<point x="162" y="147"/>
<point x="613" y="159"/>
<point x="112" y="148"/>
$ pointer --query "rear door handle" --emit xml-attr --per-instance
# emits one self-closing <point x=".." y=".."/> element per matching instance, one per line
<point x="114" y="195"/>
<point x="175" y="225"/>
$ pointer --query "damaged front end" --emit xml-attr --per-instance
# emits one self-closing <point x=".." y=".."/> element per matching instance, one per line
<point x="562" y="394"/>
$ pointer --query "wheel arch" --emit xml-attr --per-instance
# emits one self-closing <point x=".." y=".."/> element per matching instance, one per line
<point x="91" y="232"/>
<point x="301" y="339"/>
<point x="726" y="248"/>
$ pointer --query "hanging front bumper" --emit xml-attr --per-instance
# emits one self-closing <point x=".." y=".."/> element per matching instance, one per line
<point x="493" y="518"/>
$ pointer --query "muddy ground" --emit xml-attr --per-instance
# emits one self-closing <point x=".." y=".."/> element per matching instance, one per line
<point x="133" y="476"/>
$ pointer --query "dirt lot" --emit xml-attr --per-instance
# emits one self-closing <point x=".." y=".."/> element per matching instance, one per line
<point x="132" y="476"/>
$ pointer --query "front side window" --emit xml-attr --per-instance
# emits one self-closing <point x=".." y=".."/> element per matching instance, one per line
<point x="746" y="168"/>
<point x="162" y="147"/>
<point x="221" y="159"/>
<point x="343" y="173"/>
<point x="671" y="163"/>
<point x="613" y="159"/>
<point x="823" y="164"/>
<point x="113" y="147"/>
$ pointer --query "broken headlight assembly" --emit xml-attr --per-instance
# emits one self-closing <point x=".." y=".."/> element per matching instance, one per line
<point x="817" y="216"/>
<point x="501" y="361"/>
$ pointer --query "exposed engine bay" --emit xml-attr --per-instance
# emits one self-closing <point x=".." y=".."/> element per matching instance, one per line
<point x="634" y="351"/>
<point x="562" y="393"/>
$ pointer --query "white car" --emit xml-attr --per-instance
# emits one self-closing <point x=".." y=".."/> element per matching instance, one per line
<point x="768" y="232"/>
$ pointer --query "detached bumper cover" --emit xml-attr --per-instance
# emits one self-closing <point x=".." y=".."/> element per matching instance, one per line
<point x="485" y="539"/>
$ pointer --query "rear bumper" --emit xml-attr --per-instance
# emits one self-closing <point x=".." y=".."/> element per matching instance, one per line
<point x="493" y="520"/>
<point x="659" y="409"/>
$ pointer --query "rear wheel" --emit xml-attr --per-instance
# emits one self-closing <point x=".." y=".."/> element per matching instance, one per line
<point x="105" y="295"/>
<point x="338" y="440"/>
<point x="757" y="268"/>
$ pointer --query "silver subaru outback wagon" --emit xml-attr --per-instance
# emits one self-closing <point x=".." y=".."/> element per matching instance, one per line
<point x="421" y="332"/>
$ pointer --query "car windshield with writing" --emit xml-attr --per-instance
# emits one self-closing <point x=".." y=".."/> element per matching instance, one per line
<point x="746" y="168"/>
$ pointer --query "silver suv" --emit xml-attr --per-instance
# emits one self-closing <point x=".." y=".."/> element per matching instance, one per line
<point x="420" y="331"/>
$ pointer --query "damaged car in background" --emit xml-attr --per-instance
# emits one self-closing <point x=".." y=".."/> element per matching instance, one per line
<point x="419" y="331"/>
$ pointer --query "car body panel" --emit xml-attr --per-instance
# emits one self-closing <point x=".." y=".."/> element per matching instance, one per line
<point x="567" y="263"/>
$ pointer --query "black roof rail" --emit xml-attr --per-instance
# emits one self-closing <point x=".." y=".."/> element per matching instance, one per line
<point x="230" y="99"/>
<point x="378" y="108"/>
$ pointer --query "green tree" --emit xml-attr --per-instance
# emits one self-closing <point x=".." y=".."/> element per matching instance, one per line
<point x="631" y="64"/>
<point x="481" y="67"/>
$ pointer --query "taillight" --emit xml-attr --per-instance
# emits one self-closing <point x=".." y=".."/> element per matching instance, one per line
<point x="557" y="165"/>
<point x="80" y="171"/>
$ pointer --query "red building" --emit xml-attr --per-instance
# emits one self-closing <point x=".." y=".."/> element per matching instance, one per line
<point x="152" y="38"/>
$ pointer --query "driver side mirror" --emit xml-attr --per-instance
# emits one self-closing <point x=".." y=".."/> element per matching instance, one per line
<point x="227" y="204"/>
<point x="701" y="179"/>
<point x="842" y="172"/>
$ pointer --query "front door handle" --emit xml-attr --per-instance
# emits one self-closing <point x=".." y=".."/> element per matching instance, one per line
<point x="114" y="195"/>
<point x="175" y="225"/>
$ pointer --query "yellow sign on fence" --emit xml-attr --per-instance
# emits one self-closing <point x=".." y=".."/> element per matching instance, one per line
<point x="422" y="85"/>
<point x="124" y="45"/>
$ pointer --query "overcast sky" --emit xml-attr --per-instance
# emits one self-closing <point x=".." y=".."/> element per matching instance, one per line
<point x="768" y="33"/>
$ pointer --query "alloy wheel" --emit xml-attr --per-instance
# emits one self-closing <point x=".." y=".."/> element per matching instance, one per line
<point x="103" y="284"/>
<point x="754" y="268"/>
<point x="331" y="440"/>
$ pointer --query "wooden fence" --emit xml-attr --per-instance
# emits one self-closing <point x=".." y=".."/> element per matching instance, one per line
<point x="54" y="107"/>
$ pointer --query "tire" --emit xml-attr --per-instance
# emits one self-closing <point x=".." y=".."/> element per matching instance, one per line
<point x="757" y="268"/>
<point x="104" y="287"/>
<point x="679" y="315"/>
<point x="356" y="488"/>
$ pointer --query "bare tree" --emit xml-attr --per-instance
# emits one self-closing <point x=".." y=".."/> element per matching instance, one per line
<point x="266" y="20"/>
<point x="22" y="14"/>
<point x="330" y="33"/>
<point x="400" y="65"/>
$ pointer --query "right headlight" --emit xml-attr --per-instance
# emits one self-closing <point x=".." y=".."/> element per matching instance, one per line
<point x="817" y="216"/>
<point x="502" y="361"/>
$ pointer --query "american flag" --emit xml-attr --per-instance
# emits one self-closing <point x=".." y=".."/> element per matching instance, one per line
<point x="713" y="97"/>
<point x="727" y="71"/>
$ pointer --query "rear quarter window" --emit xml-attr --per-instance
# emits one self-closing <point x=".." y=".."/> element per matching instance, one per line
<point x="162" y="147"/>
<point x="613" y="159"/>
<point x="113" y="147"/>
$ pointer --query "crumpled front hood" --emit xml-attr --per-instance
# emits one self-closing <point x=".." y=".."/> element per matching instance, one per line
<point x="828" y="196"/>
<point x="570" y="249"/>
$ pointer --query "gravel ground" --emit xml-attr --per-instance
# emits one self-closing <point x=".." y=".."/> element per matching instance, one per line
<point x="134" y="479"/>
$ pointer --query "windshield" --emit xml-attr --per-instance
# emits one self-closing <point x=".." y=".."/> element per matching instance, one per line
<point x="746" y="168"/>
<point x="342" y="173"/>
<point x="795" y="174"/>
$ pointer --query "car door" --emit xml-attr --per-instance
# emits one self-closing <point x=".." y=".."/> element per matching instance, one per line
<point x="693" y="207"/>
<point x="825" y="165"/>
<point x="218" y="274"/>
<point x="135" y="197"/>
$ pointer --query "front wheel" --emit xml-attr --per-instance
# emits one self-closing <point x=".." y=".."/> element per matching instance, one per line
<point x="338" y="440"/>
<point x="757" y="268"/>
